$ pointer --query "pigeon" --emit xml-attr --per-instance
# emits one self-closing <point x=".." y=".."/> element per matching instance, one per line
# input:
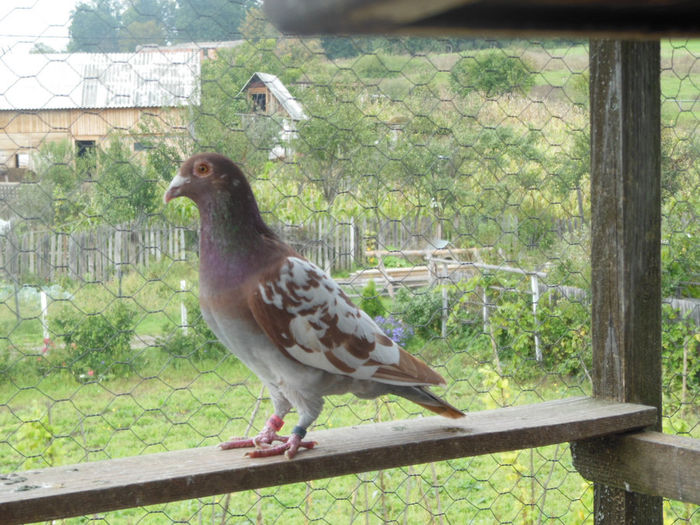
<point x="285" y="318"/>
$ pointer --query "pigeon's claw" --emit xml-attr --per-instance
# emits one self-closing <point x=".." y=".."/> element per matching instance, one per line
<point x="262" y="440"/>
<point x="289" y="448"/>
<point x="236" y="443"/>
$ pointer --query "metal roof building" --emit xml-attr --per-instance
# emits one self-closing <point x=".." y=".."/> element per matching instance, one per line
<point x="95" y="81"/>
<point x="86" y="97"/>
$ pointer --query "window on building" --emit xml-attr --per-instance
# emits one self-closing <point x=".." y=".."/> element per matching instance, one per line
<point x="260" y="101"/>
<point x="85" y="156"/>
<point x="22" y="160"/>
<point x="83" y="148"/>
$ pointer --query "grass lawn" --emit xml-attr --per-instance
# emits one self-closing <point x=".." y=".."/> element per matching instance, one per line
<point x="174" y="404"/>
<point x="178" y="404"/>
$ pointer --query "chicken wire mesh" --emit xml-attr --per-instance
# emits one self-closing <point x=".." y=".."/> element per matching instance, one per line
<point x="443" y="182"/>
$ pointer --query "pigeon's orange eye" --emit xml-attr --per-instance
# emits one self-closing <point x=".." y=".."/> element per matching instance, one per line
<point x="202" y="169"/>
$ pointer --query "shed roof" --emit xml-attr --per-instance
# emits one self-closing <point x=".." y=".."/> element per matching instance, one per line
<point x="280" y="92"/>
<point x="99" y="80"/>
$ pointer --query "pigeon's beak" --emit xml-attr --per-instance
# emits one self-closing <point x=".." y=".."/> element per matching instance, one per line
<point x="175" y="188"/>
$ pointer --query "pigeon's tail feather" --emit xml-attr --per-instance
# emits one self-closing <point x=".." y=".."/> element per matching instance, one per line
<point x="420" y="395"/>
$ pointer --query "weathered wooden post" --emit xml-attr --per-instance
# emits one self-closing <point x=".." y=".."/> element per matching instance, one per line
<point x="626" y="246"/>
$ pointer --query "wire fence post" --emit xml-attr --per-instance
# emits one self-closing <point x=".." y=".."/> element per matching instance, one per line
<point x="183" y="309"/>
<point x="44" y="309"/>
<point x="535" y="286"/>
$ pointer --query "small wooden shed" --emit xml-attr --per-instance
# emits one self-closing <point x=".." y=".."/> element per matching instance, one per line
<point x="268" y="96"/>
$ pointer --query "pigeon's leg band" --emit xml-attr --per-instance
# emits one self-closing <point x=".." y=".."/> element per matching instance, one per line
<point x="299" y="431"/>
<point x="275" y="422"/>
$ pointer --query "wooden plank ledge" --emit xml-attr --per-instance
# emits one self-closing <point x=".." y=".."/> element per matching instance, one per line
<point x="646" y="462"/>
<point x="100" y="486"/>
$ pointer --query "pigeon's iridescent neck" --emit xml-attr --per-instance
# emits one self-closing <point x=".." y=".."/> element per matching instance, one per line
<point x="229" y="241"/>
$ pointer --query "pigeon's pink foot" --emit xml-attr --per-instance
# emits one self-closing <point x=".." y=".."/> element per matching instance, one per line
<point x="289" y="448"/>
<point x="267" y="435"/>
<point x="263" y="442"/>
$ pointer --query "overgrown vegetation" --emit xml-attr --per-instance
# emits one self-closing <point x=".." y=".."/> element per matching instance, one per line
<point x="194" y="342"/>
<point x="96" y="346"/>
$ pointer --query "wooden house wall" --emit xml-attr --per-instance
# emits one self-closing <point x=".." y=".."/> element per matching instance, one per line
<point x="23" y="131"/>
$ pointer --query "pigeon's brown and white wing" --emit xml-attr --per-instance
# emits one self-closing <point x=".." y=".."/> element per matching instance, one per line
<point x="307" y="315"/>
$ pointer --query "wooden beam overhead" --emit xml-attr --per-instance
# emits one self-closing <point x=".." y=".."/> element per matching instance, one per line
<point x="100" y="486"/>
<point x="583" y="18"/>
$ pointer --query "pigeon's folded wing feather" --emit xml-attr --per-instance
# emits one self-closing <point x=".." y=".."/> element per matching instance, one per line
<point x="306" y="314"/>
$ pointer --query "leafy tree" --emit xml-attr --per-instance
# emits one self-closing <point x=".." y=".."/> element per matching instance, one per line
<point x="680" y="161"/>
<point x="225" y="122"/>
<point x="680" y="251"/>
<point x="494" y="73"/>
<point x="56" y="198"/>
<point x="122" y="191"/>
<point x="572" y="168"/>
<point x="122" y="25"/>
<point x="344" y="47"/>
<point x="207" y="20"/>
<point x="339" y="47"/>
<point x="146" y="22"/>
<point x="337" y="143"/>
<point x="140" y="33"/>
<point x="161" y="11"/>
<point x="256" y="26"/>
<point x="95" y="27"/>
<point x="421" y="310"/>
<point x="99" y="345"/>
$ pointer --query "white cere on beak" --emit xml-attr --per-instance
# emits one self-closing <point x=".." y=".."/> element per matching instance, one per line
<point x="177" y="182"/>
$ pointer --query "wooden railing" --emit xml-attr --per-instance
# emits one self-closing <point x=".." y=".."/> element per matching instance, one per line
<point x="100" y="486"/>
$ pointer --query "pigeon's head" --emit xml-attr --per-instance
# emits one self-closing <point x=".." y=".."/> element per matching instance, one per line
<point x="207" y="174"/>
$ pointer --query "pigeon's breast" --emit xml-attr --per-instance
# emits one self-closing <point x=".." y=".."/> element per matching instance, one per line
<point x="237" y="330"/>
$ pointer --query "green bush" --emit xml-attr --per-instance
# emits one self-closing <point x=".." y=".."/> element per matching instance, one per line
<point x="98" y="346"/>
<point x="199" y="343"/>
<point x="565" y="333"/>
<point x="679" y="335"/>
<point x="563" y="327"/>
<point x="494" y="73"/>
<point x="376" y="66"/>
<point x="422" y="310"/>
<point x="4" y="356"/>
<point x="680" y="253"/>
<point x="370" y="301"/>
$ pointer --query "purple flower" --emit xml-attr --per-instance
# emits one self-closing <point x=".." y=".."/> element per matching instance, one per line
<point x="394" y="328"/>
